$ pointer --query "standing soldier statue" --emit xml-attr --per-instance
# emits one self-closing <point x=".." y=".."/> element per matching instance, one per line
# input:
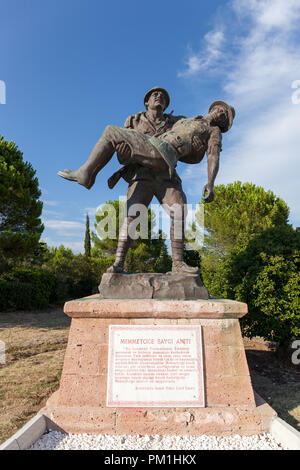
<point x="149" y="148"/>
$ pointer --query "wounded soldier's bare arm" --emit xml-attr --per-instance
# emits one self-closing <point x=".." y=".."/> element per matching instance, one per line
<point x="213" y="157"/>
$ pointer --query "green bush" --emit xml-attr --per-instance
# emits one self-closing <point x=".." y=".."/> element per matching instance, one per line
<point x="33" y="288"/>
<point x="15" y="295"/>
<point x="75" y="275"/>
<point x="265" y="274"/>
<point x="251" y="254"/>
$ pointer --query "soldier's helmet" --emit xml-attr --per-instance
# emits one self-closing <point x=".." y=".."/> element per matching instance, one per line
<point x="157" y="88"/>
<point x="230" y="111"/>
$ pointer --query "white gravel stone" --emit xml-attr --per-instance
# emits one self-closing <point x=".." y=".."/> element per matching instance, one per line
<point x="54" y="440"/>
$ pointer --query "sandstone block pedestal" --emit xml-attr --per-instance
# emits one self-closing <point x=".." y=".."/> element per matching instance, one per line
<point x="80" y="404"/>
<point x="170" y="286"/>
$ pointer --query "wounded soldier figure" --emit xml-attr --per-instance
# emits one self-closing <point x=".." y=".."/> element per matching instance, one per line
<point x="187" y="141"/>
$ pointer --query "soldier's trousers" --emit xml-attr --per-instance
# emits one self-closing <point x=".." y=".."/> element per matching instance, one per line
<point x="169" y="194"/>
<point x="142" y="149"/>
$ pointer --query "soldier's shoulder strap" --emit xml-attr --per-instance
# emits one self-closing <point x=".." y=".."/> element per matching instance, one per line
<point x="173" y="118"/>
<point x="129" y="123"/>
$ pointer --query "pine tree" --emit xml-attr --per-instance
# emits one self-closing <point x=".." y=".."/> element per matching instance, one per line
<point x="239" y="212"/>
<point x="252" y="254"/>
<point x="20" y="207"/>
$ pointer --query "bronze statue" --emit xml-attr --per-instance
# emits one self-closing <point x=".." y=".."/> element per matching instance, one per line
<point x="149" y="147"/>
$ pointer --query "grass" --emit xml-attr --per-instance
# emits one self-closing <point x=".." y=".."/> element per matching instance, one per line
<point x="35" y="347"/>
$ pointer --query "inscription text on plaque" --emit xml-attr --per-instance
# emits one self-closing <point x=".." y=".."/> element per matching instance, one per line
<point x="155" y="366"/>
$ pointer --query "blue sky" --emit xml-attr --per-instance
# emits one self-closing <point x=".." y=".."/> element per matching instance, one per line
<point x="71" y="67"/>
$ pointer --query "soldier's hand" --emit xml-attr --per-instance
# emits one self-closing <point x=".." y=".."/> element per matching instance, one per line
<point x="123" y="151"/>
<point x="208" y="193"/>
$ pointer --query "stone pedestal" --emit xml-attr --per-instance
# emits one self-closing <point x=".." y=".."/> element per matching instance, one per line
<point x="230" y="405"/>
<point x="170" y="286"/>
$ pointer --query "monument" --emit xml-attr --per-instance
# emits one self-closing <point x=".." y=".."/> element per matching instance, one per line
<point x="155" y="353"/>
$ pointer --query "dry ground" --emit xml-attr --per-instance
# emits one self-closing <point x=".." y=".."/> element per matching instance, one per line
<point x="35" y="346"/>
<point x="275" y="379"/>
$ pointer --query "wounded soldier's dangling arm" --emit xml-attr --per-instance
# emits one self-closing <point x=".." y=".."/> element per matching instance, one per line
<point x="213" y="154"/>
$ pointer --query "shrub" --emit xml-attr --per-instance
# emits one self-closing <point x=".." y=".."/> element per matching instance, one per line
<point x="15" y="295"/>
<point x="38" y="283"/>
<point x="265" y="275"/>
<point x="75" y="275"/>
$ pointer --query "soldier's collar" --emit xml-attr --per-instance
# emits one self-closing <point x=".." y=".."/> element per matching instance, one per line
<point x="163" y="118"/>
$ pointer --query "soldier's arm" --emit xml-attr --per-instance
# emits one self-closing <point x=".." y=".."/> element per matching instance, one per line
<point x="123" y="149"/>
<point x="129" y="122"/>
<point x="213" y="156"/>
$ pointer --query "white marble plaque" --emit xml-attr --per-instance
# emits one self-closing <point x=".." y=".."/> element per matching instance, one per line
<point x="155" y="366"/>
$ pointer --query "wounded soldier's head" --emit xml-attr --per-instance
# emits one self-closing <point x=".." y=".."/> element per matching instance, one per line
<point x="222" y="115"/>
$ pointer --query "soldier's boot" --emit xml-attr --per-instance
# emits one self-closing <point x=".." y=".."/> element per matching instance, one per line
<point x="86" y="174"/>
<point x="124" y="243"/>
<point x="118" y="266"/>
<point x="177" y="243"/>
<point x="178" y="265"/>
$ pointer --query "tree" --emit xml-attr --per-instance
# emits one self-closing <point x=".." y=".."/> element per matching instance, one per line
<point x="252" y="254"/>
<point x="76" y="275"/>
<point x="163" y="263"/>
<point x="105" y="244"/>
<point x="149" y="258"/>
<point x="145" y="255"/>
<point x="37" y="258"/>
<point x="20" y="207"/>
<point x="238" y="213"/>
<point x="265" y="274"/>
<point x="87" y="240"/>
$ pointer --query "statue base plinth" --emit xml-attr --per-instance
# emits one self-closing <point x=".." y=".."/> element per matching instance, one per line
<point x="81" y="404"/>
<point x="169" y="286"/>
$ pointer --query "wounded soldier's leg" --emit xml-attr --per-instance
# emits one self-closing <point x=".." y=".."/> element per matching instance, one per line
<point x="100" y="156"/>
<point x="86" y="174"/>
<point x="142" y="152"/>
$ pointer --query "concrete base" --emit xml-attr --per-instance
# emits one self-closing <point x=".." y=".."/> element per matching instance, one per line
<point x="214" y="421"/>
<point x="288" y="436"/>
<point x="285" y="434"/>
<point x="79" y="406"/>
<point x="27" y="435"/>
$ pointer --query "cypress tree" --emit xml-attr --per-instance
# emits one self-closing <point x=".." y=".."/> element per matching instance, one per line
<point x="87" y="240"/>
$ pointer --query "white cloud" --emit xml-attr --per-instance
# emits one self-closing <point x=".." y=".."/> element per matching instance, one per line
<point x="65" y="228"/>
<point x="194" y="64"/>
<point x="91" y="211"/>
<point x="268" y="59"/>
<point x="214" y="40"/>
<point x="51" y="203"/>
<point x="269" y="14"/>
<point x="208" y="56"/>
<point x="267" y="156"/>
<point x="263" y="145"/>
<point x="51" y="213"/>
